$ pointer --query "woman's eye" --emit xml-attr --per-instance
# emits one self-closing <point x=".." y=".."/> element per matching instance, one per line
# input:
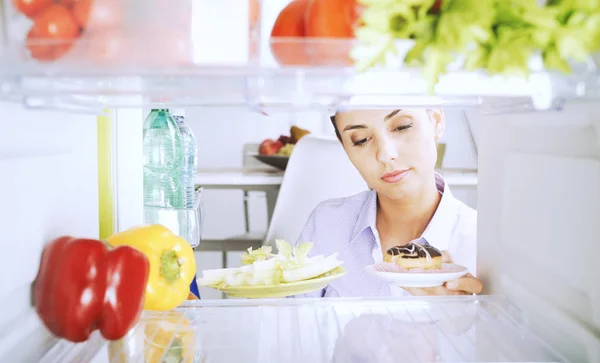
<point x="404" y="127"/>
<point x="360" y="142"/>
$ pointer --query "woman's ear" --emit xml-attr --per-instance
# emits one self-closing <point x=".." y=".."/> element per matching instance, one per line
<point x="439" y="122"/>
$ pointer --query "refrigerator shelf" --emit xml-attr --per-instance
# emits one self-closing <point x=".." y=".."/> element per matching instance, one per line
<point x="128" y="53"/>
<point x="274" y="89"/>
<point x="465" y="329"/>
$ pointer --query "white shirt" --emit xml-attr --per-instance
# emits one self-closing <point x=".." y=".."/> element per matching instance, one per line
<point x="348" y="226"/>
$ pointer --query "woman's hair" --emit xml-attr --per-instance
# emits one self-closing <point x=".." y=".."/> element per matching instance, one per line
<point x="337" y="132"/>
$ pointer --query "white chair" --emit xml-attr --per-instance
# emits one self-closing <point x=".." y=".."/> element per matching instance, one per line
<point x="318" y="170"/>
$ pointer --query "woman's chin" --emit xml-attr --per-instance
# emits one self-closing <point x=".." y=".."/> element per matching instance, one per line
<point x="411" y="185"/>
<point x="399" y="191"/>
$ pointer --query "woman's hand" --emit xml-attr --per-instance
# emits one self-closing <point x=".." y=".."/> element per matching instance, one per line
<point x="466" y="285"/>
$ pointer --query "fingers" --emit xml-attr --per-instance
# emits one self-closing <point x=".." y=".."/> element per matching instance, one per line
<point x="467" y="283"/>
<point x="446" y="257"/>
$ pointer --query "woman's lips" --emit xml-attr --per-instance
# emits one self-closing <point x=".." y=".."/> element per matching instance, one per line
<point x="394" y="176"/>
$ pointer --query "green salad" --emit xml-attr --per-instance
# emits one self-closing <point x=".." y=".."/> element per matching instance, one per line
<point x="262" y="267"/>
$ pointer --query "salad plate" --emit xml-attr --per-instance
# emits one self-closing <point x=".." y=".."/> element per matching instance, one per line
<point x="284" y="289"/>
<point x="267" y="275"/>
<point x="416" y="278"/>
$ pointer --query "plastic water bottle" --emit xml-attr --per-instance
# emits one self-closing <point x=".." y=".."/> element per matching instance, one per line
<point x="163" y="157"/>
<point x="190" y="157"/>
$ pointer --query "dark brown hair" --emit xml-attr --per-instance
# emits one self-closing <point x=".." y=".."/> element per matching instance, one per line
<point x="337" y="132"/>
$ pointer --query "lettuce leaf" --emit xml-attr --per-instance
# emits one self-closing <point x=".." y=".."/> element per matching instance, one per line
<point x="260" y="254"/>
<point x="284" y="249"/>
<point x="301" y="251"/>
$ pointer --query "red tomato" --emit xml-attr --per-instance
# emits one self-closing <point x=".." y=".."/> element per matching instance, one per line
<point x="66" y="3"/>
<point x="332" y="19"/>
<point x="38" y="46"/>
<point x="290" y="23"/>
<point x="97" y="13"/>
<point x="52" y="34"/>
<point x="31" y="8"/>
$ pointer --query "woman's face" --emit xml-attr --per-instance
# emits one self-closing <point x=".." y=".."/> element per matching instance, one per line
<point x="394" y="150"/>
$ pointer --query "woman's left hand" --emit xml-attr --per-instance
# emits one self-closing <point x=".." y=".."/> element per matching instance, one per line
<point x="466" y="285"/>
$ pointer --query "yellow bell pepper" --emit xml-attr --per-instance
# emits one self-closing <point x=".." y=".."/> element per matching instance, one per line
<point x="172" y="264"/>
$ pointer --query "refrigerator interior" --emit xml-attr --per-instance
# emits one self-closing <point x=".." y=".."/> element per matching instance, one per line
<point x="538" y="196"/>
<point x="470" y="329"/>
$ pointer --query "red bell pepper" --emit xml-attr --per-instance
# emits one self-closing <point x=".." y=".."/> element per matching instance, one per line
<point x="83" y="285"/>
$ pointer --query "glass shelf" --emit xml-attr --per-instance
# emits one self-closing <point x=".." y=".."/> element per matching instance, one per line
<point x="466" y="329"/>
<point x="135" y="62"/>
<point x="267" y="90"/>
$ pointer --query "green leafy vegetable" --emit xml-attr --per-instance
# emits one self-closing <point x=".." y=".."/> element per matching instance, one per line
<point x="262" y="267"/>
<point x="284" y="248"/>
<point x="260" y="254"/>
<point x="499" y="36"/>
<point x="302" y="250"/>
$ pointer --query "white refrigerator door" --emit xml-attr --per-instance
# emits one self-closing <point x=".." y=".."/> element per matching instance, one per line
<point x="539" y="221"/>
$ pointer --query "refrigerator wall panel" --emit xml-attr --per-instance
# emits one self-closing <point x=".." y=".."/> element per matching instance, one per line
<point x="129" y="168"/>
<point x="48" y="183"/>
<point x="538" y="232"/>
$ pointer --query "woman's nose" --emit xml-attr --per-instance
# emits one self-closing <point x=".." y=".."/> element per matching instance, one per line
<point x="387" y="150"/>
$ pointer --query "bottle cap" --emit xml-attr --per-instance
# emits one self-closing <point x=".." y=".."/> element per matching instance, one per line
<point x="177" y="112"/>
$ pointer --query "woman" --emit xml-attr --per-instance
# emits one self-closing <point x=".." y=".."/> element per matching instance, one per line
<point x="395" y="152"/>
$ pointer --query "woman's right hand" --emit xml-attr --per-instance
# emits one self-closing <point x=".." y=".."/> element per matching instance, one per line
<point x="466" y="285"/>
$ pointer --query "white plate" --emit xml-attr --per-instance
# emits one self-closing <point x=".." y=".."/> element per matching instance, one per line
<point x="419" y="279"/>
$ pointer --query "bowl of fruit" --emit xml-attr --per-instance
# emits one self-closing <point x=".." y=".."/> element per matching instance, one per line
<point x="276" y="153"/>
